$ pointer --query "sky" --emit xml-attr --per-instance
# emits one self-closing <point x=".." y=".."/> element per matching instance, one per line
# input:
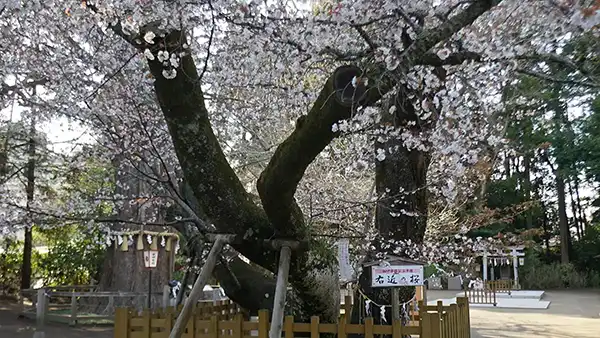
<point x="62" y="134"/>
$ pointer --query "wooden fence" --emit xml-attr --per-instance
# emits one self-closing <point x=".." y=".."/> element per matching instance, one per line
<point x="79" y="304"/>
<point x="482" y="296"/>
<point x="501" y="286"/>
<point x="437" y="321"/>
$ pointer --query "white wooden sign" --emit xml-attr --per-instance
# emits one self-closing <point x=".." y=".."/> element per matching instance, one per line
<point x="344" y="259"/>
<point x="150" y="258"/>
<point x="396" y="275"/>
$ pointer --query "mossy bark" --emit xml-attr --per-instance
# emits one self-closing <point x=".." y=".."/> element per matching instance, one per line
<point x="220" y="195"/>
<point x="400" y="178"/>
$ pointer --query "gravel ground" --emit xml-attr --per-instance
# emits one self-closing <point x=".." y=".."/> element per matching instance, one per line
<point x="570" y="314"/>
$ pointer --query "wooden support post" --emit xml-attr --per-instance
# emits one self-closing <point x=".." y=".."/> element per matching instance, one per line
<point x="40" y="314"/>
<point x="280" y="292"/>
<point x="395" y="303"/>
<point x="347" y="308"/>
<point x="40" y="307"/>
<point x="73" y="310"/>
<point x="196" y="292"/>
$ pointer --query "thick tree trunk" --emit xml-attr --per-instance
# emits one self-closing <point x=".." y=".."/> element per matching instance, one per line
<point x="124" y="270"/>
<point x="560" y="170"/>
<point x="400" y="178"/>
<point x="401" y="211"/>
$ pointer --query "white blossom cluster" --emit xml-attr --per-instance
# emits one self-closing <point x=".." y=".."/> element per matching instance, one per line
<point x="263" y="65"/>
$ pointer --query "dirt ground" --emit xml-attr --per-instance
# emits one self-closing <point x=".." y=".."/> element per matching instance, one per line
<point x="572" y="314"/>
<point x="11" y="326"/>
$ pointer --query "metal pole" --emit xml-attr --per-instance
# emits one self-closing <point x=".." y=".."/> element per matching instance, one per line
<point x="150" y="289"/>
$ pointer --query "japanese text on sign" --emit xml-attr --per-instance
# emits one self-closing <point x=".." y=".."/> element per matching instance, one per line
<point x="403" y="275"/>
<point x="150" y="258"/>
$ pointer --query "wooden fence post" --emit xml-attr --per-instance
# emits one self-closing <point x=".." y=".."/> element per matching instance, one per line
<point x="238" y="331"/>
<point x="147" y="328"/>
<point x="263" y="323"/>
<point x="314" y="327"/>
<point x="121" y="327"/>
<point x="40" y="313"/>
<point x="466" y="320"/>
<point x="424" y="322"/>
<point x="213" y="328"/>
<point x="288" y="327"/>
<point x="453" y="325"/>
<point x="369" y="327"/>
<point x="396" y="328"/>
<point x="168" y="319"/>
<point x="436" y="328"/>
<point x="342" y="326"/>
<point x="111" y="302"/>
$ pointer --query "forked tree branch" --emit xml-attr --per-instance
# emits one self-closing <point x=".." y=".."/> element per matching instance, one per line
<point x="278" y="182"/>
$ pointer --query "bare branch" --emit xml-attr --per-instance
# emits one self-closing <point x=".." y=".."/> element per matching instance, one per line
<point x="424" y="42"/>
<point x="94" y="219"/>
<point x="557" y="80"/>
<point x="431" y="59"/>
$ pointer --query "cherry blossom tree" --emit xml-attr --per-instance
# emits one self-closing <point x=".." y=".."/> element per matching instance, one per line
<point x="388" y="102"/>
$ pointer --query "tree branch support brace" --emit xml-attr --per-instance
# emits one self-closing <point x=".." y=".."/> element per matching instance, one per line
<point x="280" y="292"/>
<point x="205" y="274"/>
<point x="207" y="270"/>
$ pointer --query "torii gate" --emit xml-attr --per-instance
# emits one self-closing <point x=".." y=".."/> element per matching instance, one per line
<point x="516" y="252"/>
<point x="219" y="241"/>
